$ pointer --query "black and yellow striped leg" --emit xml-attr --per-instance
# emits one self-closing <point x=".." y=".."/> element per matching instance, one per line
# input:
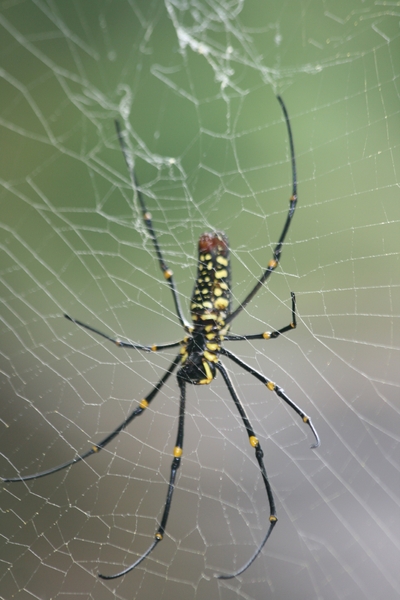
<point x="267" y="335"/>
<point x="143" y="404"/>
<point x="124" y="343"/>
<point x="276" y="255"/>
<point x="176" y="461"/>
<point x="278" y="391"/>
<point x="149" y="225"/>
<point x="259" y="456"/>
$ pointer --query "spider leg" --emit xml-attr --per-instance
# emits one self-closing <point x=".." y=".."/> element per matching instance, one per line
<point x="259" y="456"/>
<point x="267" y="335"/>
<point x="278" y="391"/>
<point x="149" y="225"/>
<point x="121" y="343"/>
<point x="273" y="263"/>
<point x="143" y="404"/>
<point x="176" y="461"/>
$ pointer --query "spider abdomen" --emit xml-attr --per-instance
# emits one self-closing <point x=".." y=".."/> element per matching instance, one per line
<point x="211" y="298"/>
<point x="209" y="307"/>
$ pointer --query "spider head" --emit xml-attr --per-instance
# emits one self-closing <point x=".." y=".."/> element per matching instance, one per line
<point x="197" y="370"/>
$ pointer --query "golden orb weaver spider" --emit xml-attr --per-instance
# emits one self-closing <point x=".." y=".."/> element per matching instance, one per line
<point x="198" y="357"/>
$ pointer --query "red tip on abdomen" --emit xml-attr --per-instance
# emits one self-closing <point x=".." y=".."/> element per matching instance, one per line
<point x="213" y="240"/>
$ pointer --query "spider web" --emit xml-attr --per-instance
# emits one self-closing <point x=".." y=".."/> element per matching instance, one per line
<point x="194" y="85"/>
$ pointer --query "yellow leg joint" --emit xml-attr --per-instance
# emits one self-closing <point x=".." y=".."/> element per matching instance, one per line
<point x="207" y="370"/>
<point x="273" y="519"/>
<point x="177" y="452"/>
<point x="159" y="536"/>
<point x="270" y="385"/>
<point x="212" y="346"/>
<point x="143" y="403"/>
<point x="306" y="419"/>
<point x="209" y="356"/>
<point x="95" y="448"/>
<point x="168" y="274"/>
<point x="253" y="441"/>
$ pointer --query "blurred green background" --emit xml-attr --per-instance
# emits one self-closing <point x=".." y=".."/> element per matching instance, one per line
<point x="194" y="86"/>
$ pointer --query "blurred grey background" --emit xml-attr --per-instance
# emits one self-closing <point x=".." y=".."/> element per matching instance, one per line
<point x="194" y="86"/>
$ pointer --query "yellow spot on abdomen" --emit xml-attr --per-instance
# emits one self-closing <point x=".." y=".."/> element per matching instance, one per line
<point x="221" y="303"/>
<point x="208" y="317"/>
<point x="222" y="260"/>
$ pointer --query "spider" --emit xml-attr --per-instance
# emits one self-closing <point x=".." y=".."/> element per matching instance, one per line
<point x="201" y="348"/>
